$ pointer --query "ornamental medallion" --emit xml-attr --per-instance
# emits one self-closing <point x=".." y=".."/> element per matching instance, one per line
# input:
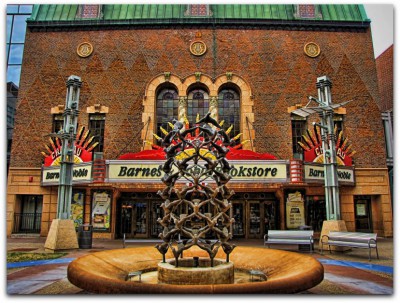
<point x="312" y="49"/>
<point x="198" y="48"/>
<point x="84" y="49"/>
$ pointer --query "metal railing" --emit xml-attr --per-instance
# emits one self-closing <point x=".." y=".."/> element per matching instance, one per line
<point x="28" y="223"/>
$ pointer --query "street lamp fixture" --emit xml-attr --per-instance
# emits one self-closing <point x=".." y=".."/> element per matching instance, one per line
<point x="62" y="234"/>
<point x="325" y="110"/>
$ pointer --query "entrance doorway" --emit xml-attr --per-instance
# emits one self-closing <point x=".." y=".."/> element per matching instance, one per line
<point x="28" y="214"/>
<point x="137" y="215"/>
<point x="315" y="212"/>
<point x="254" y="215"/>
<point x="362" y="213"/>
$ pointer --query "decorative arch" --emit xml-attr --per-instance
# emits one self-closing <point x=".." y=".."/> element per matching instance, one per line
<point x="213" y="85"/>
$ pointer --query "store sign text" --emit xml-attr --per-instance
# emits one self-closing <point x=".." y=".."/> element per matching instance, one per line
<point x="313" y="172"/>
<point x="239" y="172"/>
<point x="82" y="173"/>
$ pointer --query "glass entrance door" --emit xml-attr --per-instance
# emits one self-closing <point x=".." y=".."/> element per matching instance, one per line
<point x="254" y="227"/>
<point x="156" y="212"/>
<point x="239" y="225"/>
<point x="271" y="215"/>
<point x="139" y="219"/>
<point x="362" y="212"/>
<point x="133" y="219"/>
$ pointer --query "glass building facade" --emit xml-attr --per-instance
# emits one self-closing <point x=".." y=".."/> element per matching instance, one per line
<point x="16" y="29"/>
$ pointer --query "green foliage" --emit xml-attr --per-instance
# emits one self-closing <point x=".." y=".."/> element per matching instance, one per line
<point x="29" y="256"/>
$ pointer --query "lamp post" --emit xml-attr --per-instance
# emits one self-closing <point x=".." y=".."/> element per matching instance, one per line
<point x="62" y="234"/>
<point x="68" y="135"/>
<point x="325" y="111"/>
<point x="329" y="148"/>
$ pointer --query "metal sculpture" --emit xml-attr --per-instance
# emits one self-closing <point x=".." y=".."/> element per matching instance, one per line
<point x="196" y="213"/>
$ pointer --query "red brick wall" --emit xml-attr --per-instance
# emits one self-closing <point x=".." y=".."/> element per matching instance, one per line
<point x="124" y="61"/>
<point x="384" y="67"/>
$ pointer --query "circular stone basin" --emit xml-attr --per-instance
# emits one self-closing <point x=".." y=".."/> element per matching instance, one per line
<point x="186" y="273"/>
<point x="106" y="272"/>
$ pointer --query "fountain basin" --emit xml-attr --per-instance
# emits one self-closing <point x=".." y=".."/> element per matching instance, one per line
<point x="105" y="272"/>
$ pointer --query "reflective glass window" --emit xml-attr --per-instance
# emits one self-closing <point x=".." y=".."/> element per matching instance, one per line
<point x="19" y="29"/>
<point x="9" y="27"/>
<point x="298" y="130"/>
<point x="13" y="73"/>
<point x="12" y="9"/>
<point x="16" y="52"/>
<point x="96" y="125"/>
<point x="25" y="9"/>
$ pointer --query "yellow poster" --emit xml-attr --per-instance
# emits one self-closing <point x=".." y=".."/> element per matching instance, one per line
<point x="101" y="210"/>
<point x="295" y="211"/>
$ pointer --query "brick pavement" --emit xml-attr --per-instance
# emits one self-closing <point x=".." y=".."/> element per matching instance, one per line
<point x="342" y="275"/>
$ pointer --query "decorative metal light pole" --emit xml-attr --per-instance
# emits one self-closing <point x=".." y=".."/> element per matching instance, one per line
<point x="329" y="148"/>
<point x="62" y="234"/>
<point x="68" y="135"/>
<point x="325" y="111"/>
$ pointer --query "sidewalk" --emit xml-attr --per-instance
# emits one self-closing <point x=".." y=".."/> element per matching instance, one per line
<point x="346" y="273"/>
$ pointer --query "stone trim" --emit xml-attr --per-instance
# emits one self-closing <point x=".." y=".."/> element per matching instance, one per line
<point x="57" y="110"/>
<point x="97" y="109"/>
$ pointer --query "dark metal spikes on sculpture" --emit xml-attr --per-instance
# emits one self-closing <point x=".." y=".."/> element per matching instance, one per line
<point x="196" y="200"/>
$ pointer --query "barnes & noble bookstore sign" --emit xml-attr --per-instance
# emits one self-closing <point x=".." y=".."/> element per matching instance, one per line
<point x="150" y="171"/>
<point x="315" y="173"/>
<point x="242" y="171"/>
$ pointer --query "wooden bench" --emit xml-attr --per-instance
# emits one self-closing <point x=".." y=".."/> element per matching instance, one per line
<point x="138" y="240"/>
<point x="350" y="239"/>
<point x="298" y="237"/>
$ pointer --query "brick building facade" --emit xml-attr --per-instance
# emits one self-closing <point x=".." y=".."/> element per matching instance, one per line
<point x="384" y="67"/>
<point x="258" y="51"/>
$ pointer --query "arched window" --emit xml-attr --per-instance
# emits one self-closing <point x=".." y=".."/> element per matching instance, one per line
<point x="229" y="109"/>
<point x="198" y="103"/>
<point x="166" y="108"/>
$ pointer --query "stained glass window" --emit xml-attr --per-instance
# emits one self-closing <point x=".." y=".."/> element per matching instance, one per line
<point x="229" y="110"/>
<point x="198" y="103"/>
<point x="166" y="108"/>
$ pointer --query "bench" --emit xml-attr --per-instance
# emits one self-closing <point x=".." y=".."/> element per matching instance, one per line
<point x="298" y="237"/>
<point x="257" y="273"/>
<point x="138" y="240"/>
<point x="134" y="274"/>
<point x="350" y="239"/>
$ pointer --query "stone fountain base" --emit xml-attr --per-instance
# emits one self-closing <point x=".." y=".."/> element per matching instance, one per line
<point x="196" y="271"/>
<point x="105" y="272"/>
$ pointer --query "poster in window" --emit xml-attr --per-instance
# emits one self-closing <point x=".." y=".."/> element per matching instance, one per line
<point x="77" y="207"/>
<point x="101" y="210"/>
<point x="295" y="210"/>
<point x="361" y="210"/>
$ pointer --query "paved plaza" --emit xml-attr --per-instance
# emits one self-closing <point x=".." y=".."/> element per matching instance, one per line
<point x="345" y="273"/>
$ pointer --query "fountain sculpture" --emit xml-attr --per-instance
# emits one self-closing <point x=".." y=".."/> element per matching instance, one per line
<point x="196" y="211"/>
